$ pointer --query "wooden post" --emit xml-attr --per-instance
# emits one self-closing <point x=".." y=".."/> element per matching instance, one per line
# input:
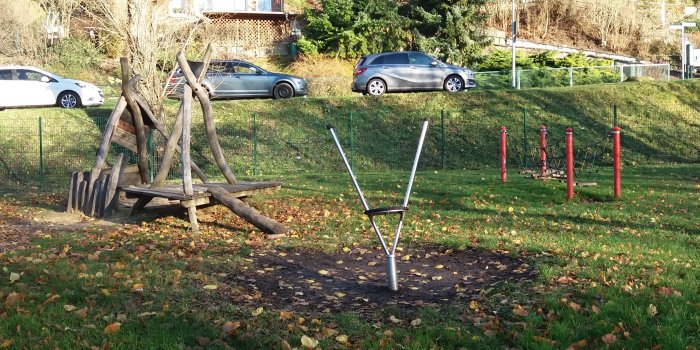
<point x="111" y="187"/>
<point x="569" y="163"/>
<point x="103" y="150"/>
<point x="208" y="113"/>
<point x="128" y="93"/>
<point x="186" y="160"/>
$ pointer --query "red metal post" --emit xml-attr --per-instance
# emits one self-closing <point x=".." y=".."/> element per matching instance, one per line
<point x="504" y="174"/>
<point x="543" y="149"/>
<point x="569" y="163"/>
<point x="616" y="161"/>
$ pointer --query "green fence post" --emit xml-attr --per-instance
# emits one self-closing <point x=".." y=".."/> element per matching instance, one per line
<point x="442" y="138"/>
<point x="41" y="155"/>
<point x="524" y="138"/>
<point x="255" y="145"/>
<point x="150" y="152"/>
<point x="352" y="143"/>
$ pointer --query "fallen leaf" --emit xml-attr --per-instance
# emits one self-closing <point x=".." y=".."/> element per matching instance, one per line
<point x="69" y="307"/>
<point x="578" y="345"/>
<point x="393" y="318"/>
<point x="323" y="272"/>
<point x="285" y="315"/>
<point x="518" y="310"/>
<point x="257" y="311"/>
<point x="540" y="339"/>
<point x="416" y="322"/>
<point x="13" y="277"/>
<point x="112" y="328"/>
<point x="609" y="338"/>
<point x="82" y="313"/>
<point x="146" y="314"/>
<point x="6" y="344"/>
<point x="574" y="306"/>
<point x="203" y="341"/>
<point x="210" y="286"/>
<point x="138" y="287"/>
<point x="285" y="345"/>
<point x="229" y="327"/>
<point x="342" y="338"/>
<point x="308" y="343"/>
<point x="651" y="310"/>
<point x="595" y="309"/>
<point x="473" y="305"/>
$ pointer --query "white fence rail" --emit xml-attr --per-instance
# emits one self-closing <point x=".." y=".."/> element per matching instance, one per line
<point x="572" y="76"/>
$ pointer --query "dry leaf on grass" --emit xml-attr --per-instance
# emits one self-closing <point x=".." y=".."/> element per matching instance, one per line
<point x="609" y="338"/>
<point x="112" y="328"/>
<point x="308" y="343"/>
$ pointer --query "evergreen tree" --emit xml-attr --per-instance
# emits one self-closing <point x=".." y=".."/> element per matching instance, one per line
<point x="452" y="30"/>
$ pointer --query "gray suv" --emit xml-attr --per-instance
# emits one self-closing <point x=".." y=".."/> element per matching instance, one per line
<point x="408" y="71"/>
<point x="237" y="78"/>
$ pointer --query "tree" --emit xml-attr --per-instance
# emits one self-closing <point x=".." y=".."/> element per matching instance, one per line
<point x="350" y="29"/>
<point x="452" y="30"/>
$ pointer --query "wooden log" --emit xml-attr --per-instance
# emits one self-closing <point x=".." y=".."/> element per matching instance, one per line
<point x="161" y="129"/>
<point x="75" y="204"/>
<point x="103" y="150"/>
<point x="247" y="213"/>
<point x="110" y="198"/>
<point x="100" y="203"/>
<point x="72" y="190"/>
<point x="186" y="159"/>
<point x="208" y="113"/>
<point x="129" y="92"/>
<point x="81" y="194"/>
<point x="91" y="206"/>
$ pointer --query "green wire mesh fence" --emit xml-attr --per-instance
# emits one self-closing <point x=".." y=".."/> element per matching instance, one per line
<point x="41" y="152"/>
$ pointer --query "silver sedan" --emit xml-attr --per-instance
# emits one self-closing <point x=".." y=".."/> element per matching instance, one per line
<point x="241" y="79"/>
<point x="408" y="71"/>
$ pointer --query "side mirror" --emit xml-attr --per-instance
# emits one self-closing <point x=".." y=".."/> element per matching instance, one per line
<point x="44" y="79"/>
<point x="434" y="63"/>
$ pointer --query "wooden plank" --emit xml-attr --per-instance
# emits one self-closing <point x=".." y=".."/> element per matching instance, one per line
<point x="247" y="213"/>
<point x="124" y="139"/>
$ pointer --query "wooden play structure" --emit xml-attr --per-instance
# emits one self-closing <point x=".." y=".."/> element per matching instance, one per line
<point x="96" y="192"/>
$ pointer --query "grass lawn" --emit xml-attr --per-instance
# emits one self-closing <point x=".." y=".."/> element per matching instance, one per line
<point x="482" y="265"/>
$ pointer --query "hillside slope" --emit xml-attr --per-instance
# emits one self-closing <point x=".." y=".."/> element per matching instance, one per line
<point x="660" y="123"/>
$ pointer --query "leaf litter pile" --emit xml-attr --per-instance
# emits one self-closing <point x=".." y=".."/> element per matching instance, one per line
<point x="356" y="280"/>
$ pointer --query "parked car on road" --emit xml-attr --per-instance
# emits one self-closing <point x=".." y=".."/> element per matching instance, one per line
<point x="237" y="78"/>
<point x="24" y="86"/>
<point x="408" y="71"/>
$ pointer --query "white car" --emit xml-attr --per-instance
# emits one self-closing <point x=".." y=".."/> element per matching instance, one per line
<point x="24" y="86"/>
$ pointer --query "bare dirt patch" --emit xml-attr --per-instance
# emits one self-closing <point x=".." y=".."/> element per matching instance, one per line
<point x="355" y="280"/>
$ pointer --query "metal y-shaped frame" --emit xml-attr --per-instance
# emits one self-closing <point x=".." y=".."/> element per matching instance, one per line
<point x="400" y="210"/>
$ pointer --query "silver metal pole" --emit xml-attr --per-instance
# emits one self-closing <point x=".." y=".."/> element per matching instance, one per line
<point x="391" y="272"/>
<point x="415" y="162"/>
<point x="512" y="44"/>
<point x="682" y="52"/>
<point x="347" y="165"/>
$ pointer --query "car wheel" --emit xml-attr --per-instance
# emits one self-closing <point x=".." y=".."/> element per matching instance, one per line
<point x="283" y="90"/>
<point x="376" y="87"/>
<point x="454" y="83"/>
<point x="68" y="99"/>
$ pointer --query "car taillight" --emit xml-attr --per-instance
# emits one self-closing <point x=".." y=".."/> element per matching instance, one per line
<point x="172" y="80"/>
<point x="358" y="71"/>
